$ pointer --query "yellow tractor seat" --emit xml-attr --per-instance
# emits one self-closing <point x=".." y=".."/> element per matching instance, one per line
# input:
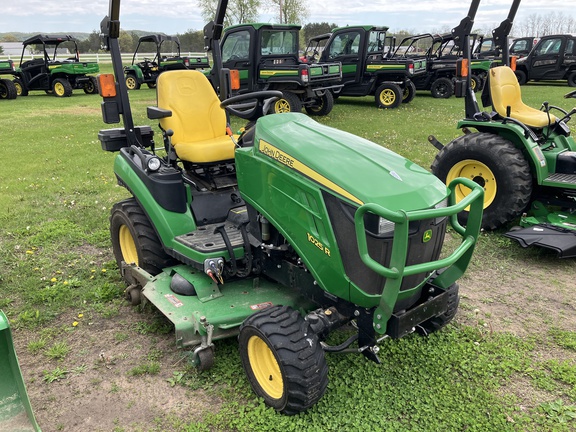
<point x="505" y="92"/>
<point x="198" y="121"/>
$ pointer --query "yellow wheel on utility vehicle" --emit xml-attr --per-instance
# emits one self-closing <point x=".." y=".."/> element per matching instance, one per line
<point x="127" y="245"/>
<point x="132" y="83"/>
<point x="477" y="172"/>
<point x="265" y="367"/>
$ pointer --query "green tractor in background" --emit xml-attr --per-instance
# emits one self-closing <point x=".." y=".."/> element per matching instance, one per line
<point x="524" y="158"/>
<point x="167" y="56"/>
<point x="7" y="87"/>
<point x="277" y="236"/>
<point x="50" y="72"/>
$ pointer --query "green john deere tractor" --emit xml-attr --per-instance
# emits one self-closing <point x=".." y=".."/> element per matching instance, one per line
<point x="524" y="158"/>
<point x="277" y="236"/>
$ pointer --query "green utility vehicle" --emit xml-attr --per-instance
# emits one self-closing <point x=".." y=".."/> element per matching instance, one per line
<point x="50" y="72"/>
<point x="266" y="57"/>
<point x="264" y="237"/>
<point x="524" y="158"/>
<point x="7" y="87"/>
<point x="553" y="58"/>
<point x="167" y="56"/>
<point x="367" y="68"/>
<point x="440" y="53"/>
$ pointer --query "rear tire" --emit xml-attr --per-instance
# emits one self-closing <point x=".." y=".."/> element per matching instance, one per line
<point x="289" y="102"/>
<point x="495" y="164"/>
<point x="20" y="87"/>
<point x="134" y="239"/>
<point x="388" y="95"/>
<point x="91" y="87"/>
<point x="442" y="88"/>
<point x="8" y="89"/>
<point x="324" y="105"/>
<point x="283" y="359"/>
<point x="61" y="88"/>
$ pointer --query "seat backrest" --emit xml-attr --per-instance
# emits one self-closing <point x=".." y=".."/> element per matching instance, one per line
<point x="505" y="92"/>
<point x="196" y="112"/>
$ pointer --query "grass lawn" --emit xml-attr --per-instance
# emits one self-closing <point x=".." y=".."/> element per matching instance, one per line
<point x="508" y="362"/>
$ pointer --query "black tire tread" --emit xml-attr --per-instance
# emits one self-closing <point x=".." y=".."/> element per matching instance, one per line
<point x="152" y="254"/>
<point x="299" y="354"/>
<point x="496" y="152"/>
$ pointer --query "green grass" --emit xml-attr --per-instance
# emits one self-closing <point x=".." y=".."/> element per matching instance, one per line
<point x="56" y="190"/>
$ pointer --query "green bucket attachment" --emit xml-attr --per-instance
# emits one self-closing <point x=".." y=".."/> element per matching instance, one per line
<point x="15" y="410"/>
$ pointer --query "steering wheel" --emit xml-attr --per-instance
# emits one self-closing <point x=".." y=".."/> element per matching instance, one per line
<point x="251" y="106"/>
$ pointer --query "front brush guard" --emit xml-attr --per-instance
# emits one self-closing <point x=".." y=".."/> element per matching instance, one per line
<point x="454" y="265"/>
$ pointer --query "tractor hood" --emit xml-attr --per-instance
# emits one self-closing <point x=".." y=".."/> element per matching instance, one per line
<point x="358" y="170"/>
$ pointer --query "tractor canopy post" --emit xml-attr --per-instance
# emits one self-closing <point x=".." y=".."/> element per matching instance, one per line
<point x="500" y="34"/>
<point x="212" y="35"/>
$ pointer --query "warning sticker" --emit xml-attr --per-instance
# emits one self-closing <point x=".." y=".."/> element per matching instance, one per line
<point x="261" y="306"/>
<point x="177" y="303"/>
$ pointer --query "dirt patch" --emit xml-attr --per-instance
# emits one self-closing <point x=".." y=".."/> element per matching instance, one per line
<point x="100" y="389"/>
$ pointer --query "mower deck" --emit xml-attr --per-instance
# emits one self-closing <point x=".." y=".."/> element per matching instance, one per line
<point x="227" y="305"/>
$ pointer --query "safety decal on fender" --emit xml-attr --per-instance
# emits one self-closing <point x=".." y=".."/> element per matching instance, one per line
<point x="261" y="306"/>
<point x="177" y="303"/>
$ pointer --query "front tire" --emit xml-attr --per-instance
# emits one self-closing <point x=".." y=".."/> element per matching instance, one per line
<point x="283" y="359"/>
<point x="442" y="88"/>
<point x="388" y="95"/>
<point x="495" y="164"/>
<point x="521" y="76"/>
<point x="409" y="92"/>
<point x="134" y="240"/>
<point x="572" y="79"/>
<point x="132" y="83"/>
<point x="324" y="105"/>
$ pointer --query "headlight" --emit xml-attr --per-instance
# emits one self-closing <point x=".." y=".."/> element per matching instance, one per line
<point x="153" y="164"/>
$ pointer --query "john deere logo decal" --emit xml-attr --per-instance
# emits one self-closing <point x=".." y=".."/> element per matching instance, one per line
<point x="427" y="236"/>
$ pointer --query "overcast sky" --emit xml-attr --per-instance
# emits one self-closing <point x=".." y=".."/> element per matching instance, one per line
<point x="178" y="16"/>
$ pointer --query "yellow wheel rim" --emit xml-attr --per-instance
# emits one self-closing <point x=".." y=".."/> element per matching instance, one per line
<point x="131" y="83"/>
<point x="265" y="367"/>
<point x="127" y="246"/>
<point x="59" y="89"/>
<point x="477" y="172"/>
<point x="18" y="89"/>
<point x="282" y="106"/>
<point x="387" y="97"/>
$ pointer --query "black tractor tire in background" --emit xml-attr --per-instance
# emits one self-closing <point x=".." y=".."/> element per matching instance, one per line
<point x="8" y="89"/>
<point x="475" y="83"/>
<point x="283" y="359"/>
<point x="20" y="87"/>
<point x="151" y="85"/>
<point x="61" y="87"/>
<point x="409" y="92"/>
<point x="495" y="164"/>
<point x="388" y="95"/>
<point x="289" y="102"/>
<point x="521" y="76"/>
<point x="324" y="105"/>
<point x="132" y="82"/>
<point x="134" y="239"/>
<point x="91" y="87"/>
<point x="442" y="88"/>
<point x="572" y="79"/>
